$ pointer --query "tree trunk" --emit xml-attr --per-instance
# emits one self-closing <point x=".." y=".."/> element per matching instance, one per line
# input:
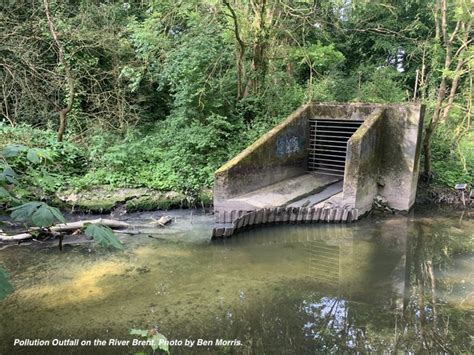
<point x="258" y="64"/>
<point x="442" y="108"/>
<point x="240" y="50"/>
<point x="427" y="166"/>
<point x="67" y="72"/>
<point x="62" y="125"/>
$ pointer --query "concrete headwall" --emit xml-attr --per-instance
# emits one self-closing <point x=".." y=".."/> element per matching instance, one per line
<point x="363" y="158"/>
<point x="401" y="145"/>
<point x="351" y="112"/>
<point x="277" y="155"/>
<point x="382" y="157"/>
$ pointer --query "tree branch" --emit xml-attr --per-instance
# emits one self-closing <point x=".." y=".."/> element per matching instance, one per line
<point x="70" y="80"/>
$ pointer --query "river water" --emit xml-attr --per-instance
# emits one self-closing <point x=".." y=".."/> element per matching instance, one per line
<point x="383" y="284"/>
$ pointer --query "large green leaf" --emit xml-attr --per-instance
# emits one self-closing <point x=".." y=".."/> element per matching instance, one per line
<point x="12" y="150"/>
<point x="4" y="193"/>
<point x="46" y="216"/>
<point x="155" y="337"/>
<point x="160" y="345"/>
<point x="35" y="155"/>
<point x="5" y="286"/>
<point x="103" y="235"/>
<point x="9" y="175"/>
<point x="24" y="211"/>
<point x="39" y="213"/>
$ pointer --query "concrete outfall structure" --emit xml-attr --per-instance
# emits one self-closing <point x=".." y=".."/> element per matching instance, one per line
<point x="354" y="152"/>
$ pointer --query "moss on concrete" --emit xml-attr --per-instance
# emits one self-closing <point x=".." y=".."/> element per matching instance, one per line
<point x="98" y="199"/>
<point x="157" y="201"/>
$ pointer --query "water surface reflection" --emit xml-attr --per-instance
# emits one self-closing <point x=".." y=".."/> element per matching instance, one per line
<point x="398" y="283"/>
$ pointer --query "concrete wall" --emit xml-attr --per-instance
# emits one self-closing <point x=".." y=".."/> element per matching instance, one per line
<point x="277" y="155"/>
<point x="399" y="168"/>
<point x="363" y="158"/>
<point x="383" y="157"/>
<point x="352" y="112"/>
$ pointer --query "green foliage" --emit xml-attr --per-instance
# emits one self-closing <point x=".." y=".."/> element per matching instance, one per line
<point x="39" y="213"/>
<point x="5" y="286"/>
<point x="196" y="74"/>
<point x="103" y="236"/>
<point x="171" y="155"/>
<point x="12" y="150"/>
<point x="35" y="162"/>
<point x="448" y="158"/>
<point x="320" y="58"/>
<point x="159" y="341"/>
<point x="156" y="101"/>
<point x="37" y="155"/>
<point x="380" y="85"/>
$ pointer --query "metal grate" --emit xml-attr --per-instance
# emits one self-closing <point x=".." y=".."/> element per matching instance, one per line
<point x="324" y="262"/>
<point x="328" y="144"/>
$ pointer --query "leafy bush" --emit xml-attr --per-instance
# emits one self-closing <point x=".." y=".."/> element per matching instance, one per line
<point x="44" y="164"/>
<point x="452" y="163"/>
<point x="380" y="84"/>
<point x="176" y="154"/>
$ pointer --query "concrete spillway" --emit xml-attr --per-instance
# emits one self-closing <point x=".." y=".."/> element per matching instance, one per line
<point x="323" y="163"/>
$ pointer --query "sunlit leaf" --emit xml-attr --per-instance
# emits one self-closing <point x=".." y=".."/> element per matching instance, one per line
<point x="141" y="332"/>
<point x="5" y="286"/>
<point x="103" y="235"/>
<point x="159" y="341"/>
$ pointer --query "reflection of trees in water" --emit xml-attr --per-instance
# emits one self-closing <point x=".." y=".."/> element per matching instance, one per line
<point x="424" y="323"/>
<point x="378" y="288"/>
<point x="428" y="322"/>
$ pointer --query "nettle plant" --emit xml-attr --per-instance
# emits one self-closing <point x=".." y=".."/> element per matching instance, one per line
<point x="38" y="216"/>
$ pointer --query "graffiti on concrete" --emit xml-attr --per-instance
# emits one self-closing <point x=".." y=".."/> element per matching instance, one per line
<point x="287" y="145"/>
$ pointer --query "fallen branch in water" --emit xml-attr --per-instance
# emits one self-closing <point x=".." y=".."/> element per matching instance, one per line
<point x="112" y="223"/>
<point x="163" y="221"/>
<point x="65" y="227"/>
<point x="15" y="237"/>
